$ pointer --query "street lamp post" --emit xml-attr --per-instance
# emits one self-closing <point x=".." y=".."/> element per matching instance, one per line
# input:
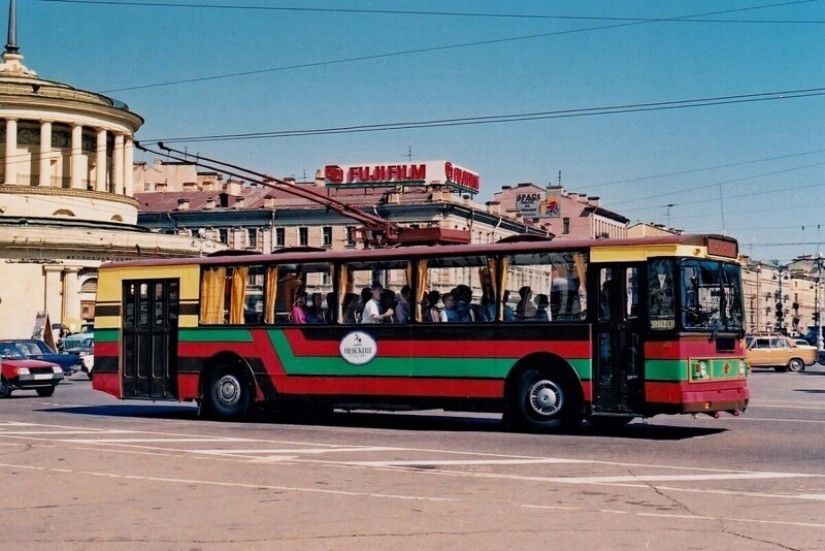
<point x="819" y="341"/>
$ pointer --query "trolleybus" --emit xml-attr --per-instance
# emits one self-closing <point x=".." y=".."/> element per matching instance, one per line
<point x="547" y="333"/>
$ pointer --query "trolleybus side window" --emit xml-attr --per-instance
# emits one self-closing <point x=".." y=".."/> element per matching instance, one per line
<point x="545" y="287"/>
<point x="252" y="295"/>
<point x="355" y="281"/>
<point x="464" y="287"/>
<point x="661" y="294"/>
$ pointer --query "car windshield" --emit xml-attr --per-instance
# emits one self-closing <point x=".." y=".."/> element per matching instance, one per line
<point x="79" y="341"/>
<point x="30" y="348"/>
<point x="10" y="351"/>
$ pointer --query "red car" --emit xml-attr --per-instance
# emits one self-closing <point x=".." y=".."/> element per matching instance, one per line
<point x="19" y="373"/>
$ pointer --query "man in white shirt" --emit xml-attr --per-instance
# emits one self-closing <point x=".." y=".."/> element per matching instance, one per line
<point x="372" y="311"/>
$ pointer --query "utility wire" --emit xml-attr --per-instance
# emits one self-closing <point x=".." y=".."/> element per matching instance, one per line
<point x="516" y="117"/>
<point x="422" y="50"/>
<point x="485" y="15"/>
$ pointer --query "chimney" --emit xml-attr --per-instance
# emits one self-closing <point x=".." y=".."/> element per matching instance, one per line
<point x="468" y="201"/>
<point x="233" y="187"/>
<point x="320" y="180"/>
<point x="393" y="197"/>
<point x="505" y="188"/>
<point x="594" y="201"/>
<point x="210" y="203"/>
<point x="269" y="202"/>
<point x="582" y="198"/>
<point x="494" y="208"/>
<point x="183" y="204"/>
<point x="239" y="202"/>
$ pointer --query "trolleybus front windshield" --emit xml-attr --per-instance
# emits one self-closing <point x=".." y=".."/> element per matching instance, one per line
<point x="710" y="295"/>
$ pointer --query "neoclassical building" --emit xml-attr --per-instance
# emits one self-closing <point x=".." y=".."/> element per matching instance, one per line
<point x="66" y="195"/>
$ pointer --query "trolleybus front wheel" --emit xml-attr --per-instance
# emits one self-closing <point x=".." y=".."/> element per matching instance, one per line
<point x="227" y="395"/>
<point x="544" y="400"/>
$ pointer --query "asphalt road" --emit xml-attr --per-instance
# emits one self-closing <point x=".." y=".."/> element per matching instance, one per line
<point x="80" y="470"/>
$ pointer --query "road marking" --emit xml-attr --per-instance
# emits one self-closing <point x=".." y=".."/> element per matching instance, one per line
<point x="682" y="517"/>
<point x="308" y="451"/>
<point x="451" y="462"/>
<point x="674" y="478"/>
<point x="152" y="440"/>
<point x="189" y="481"/>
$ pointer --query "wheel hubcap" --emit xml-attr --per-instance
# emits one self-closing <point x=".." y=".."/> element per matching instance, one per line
<point x="545" y="398"/>
<point x="228" y="390"/>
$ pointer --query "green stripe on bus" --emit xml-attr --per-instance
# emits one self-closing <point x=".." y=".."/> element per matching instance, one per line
<point x="218" y="334"/>
<point x="107" y="335"/>
<point x="666" y="370"/>
<point x="482" y="368"/>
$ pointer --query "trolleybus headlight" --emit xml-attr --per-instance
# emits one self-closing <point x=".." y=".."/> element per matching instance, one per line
<point x="743" y="368"/>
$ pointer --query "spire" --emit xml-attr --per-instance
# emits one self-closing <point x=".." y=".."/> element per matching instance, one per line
<point x="11" y="57"/>
<point x="11" y="45"/>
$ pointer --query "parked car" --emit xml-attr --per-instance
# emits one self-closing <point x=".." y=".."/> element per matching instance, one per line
<point x="35" y="349"/>
<point x="81" y="345"/>
<point x="20" y="373"/>
<point x="779" y="352"/>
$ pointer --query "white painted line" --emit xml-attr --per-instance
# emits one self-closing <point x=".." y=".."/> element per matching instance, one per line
<point x="236" y="484"/>
<point x="47" y="432"/>
<point x="735" y="519"/>
<point x="452" y="462"/>
<point x="674" y="478"/>
<point x="150" y="440"/>
<point x="294" y="450"/>
<point x="683" y="517"/>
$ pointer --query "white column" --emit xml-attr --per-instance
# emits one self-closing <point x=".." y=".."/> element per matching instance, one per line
<point x="101" y="161"/>
<point x="77" y="153"/>
<point x="117" y="162"/>
<point x="129" y="167"/>
<point x="11" y="151"/>
<point x="52" y="303"/>
<point x="45" y="154"/>
<point x="71" y="301"/>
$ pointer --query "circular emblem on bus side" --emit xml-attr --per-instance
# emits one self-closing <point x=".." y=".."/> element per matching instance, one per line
<point x="358" y="348"/>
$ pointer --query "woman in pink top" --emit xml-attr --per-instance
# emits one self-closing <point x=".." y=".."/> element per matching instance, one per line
<point x="298" y="313"/>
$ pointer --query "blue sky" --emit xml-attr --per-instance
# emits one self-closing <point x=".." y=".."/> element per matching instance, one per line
<point x="751" y="169"/>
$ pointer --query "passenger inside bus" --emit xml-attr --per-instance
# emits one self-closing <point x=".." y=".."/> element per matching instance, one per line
<point x="352" y="312"/>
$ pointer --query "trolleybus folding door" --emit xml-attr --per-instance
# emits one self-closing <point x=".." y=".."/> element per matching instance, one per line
<point x="150" y="324"/>
<point x="619" y="349"/>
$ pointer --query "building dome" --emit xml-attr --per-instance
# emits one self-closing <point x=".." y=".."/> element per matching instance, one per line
<point x="66" y="196"/>
<point x="63" y="152"/>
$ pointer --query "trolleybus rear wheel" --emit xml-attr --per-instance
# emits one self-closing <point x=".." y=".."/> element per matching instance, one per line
<point x="545" y="400"/>
<point x="227" y="395"/>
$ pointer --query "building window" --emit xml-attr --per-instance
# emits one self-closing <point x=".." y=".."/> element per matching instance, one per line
<point x="223" y="235"/>
<point x="303" y="237"/>
<point x="350" y="236"/>
<point x="327" y="236"/>
<point x="252" y="238"/>
<point x="280" y="237"/>
<point x="565" y="226"/>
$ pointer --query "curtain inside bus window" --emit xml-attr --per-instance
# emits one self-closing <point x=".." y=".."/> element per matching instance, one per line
<point x="661" y="298"/>
<point x="421" y="269"/>
<point x="212" y="295"/>
<point x="271" y="294"/>
<point x="238" y="295"/>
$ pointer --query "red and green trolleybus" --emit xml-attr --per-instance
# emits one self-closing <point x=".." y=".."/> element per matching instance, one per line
<point x="547" y="333"/>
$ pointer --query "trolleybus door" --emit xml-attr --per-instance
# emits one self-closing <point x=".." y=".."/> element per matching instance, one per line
<point x="149" y="324"/>
<point x="618" y="359"/>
